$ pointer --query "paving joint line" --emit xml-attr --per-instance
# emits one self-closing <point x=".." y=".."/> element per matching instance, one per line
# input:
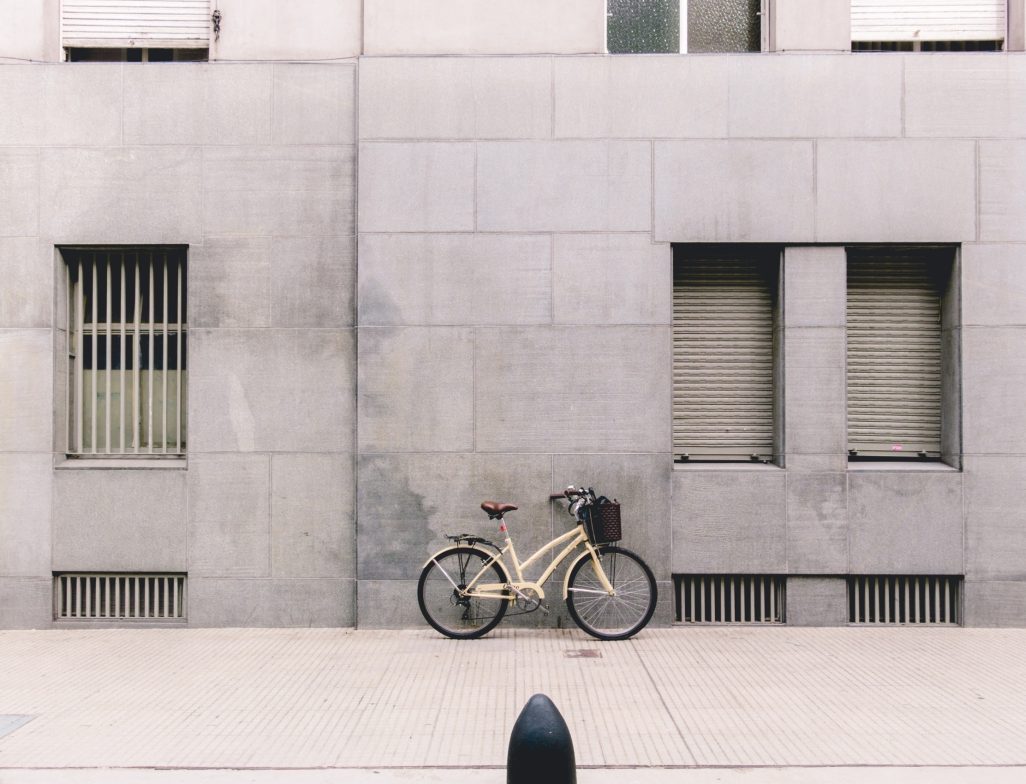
<point x="662" y="701"/>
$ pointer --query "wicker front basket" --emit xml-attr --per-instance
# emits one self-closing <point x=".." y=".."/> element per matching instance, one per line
<point x="602" y="522"/>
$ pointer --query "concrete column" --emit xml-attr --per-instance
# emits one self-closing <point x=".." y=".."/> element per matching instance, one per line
<point x="810" y="25"/>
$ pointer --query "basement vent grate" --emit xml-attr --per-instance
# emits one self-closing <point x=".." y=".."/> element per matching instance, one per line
<point x="730" y="598"/>
<point x="120" y="597"/>
<point x="909" y="599"/>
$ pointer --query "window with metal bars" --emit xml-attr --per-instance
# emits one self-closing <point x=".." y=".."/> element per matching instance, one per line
<point x="730" y="598"/>
<point x="896" y="359"/>
<point x="904" y="599"/>
<point x="725" y="345"/>
<point x="127" y="351"/>
<point x="118" y="597"/>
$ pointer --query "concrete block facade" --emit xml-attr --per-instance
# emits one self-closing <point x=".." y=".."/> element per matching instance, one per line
<point x="417" y="283"/>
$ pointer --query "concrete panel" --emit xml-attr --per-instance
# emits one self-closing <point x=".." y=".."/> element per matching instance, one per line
<point x="456" y="98"/>
<point x="119" y="521"/>
<point x="728" y="521"/>
<point x="19" y="192"/>
<point x="198" y="103"/>
<point x="229" y="516"/>
<point x="313" y="280"/>
<point x="815" y="286"/>
<point x="1003" y="191"/>
<point x="271" y="390"/>
<point x="484" y="27"/>
<point x="993" y="375"/>
<point x="417" y="187"/>
<point x="388" y="604"/>
<point x="820" y="96"/>
<point x="573" y="389"/>
<point x="564" y="186"/>
<point x="314" y="104"/>
<point x="995" y="518"/>
<point x="280" y="191"/>
<point x="905" y="522"/>
<point x="628" y="279"/>
<point x="61" y="104"/>
<point x="26" y="390"/>
<point x="895" y="191"/>
<point x="313" y="525"/>
<point x="416" y="389"/>
<point x="965" y="95"/>
<point x="230" y="283"/>
<point x="641" y="483"/>
<point x="288" y="30"/>
<point x="26" y="296"/>
<point x="811" y="25"/>
<point x="993" y="285"/>
<point x="407" y="504"/>
<point x="23" y="34"/>
<point x="817" y="601"/>
<point x="733" y="191"/>
<point x="123" y="195"/>
<point x="455" y="279"/>
<point x="271" y="603"/>
<point x="814" y="391"/>
<point x="26" y="603"/>
<point x="994" y="603"/>
<point x="25" y="493"/>
<point x="641" y="97"/>
<point x="817" y="523"/>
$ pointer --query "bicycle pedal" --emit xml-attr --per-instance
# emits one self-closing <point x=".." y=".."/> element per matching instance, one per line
<point x="544" y="608"/>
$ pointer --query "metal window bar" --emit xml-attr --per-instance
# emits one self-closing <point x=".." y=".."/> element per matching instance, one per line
<point x="730" y="598"/>
<point x="127" y="331"/>
<point x="904" y="599"/>
<point x="119" y="597"/>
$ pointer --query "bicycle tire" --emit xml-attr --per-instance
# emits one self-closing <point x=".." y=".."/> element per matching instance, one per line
<point x="614" y="617"/>
<point x="443" y="608"/>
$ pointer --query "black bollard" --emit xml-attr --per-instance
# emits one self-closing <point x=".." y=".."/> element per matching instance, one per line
<point x="541" y="750"/>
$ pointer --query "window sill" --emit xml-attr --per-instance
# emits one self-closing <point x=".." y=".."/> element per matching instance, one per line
<point x="712" y="465"/>
<point x="899" y="466"/>
<point x="64" y="462"/>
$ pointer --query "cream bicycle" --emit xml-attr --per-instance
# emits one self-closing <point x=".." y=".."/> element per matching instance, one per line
<point x="465" y="589"/>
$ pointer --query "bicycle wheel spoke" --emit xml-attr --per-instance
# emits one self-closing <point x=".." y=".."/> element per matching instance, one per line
<point x="627" y="609"/>
<point x="445" y="600"/>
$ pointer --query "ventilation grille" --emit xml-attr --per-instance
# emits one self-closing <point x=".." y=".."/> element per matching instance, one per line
<point x="904" y="599"/>
<point x="120" y="597"/>
<point x="730" y="598"/>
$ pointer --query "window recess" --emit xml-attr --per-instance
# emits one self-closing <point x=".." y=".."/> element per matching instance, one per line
<point x="171" y="24"/>
<point x="648" y="26"/>
<point x="895" y="384"/>
<point x="127" y="351"/>
<point x="724" y="347"/>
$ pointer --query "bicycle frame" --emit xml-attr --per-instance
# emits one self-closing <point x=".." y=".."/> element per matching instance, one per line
<point x="513" y="590"/>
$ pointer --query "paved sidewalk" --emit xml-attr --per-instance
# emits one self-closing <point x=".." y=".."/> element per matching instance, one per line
<point x="397" y="707"/>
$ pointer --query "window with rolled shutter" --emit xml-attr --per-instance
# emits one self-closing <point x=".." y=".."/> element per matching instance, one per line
<point x="928" y="20"/>
<point x="723" y="353"/>
<point x="174" y="24"/>
<point x="894" y="337"/>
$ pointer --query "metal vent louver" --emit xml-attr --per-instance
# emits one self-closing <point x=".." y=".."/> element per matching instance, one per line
<point x="119" y="597"/>
<point x="897" y="599"/>
<point x="730" y="598"/>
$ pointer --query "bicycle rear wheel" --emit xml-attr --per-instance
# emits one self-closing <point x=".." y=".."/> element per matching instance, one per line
<point x="621" y="615"/>
<point x="442" y="603"/>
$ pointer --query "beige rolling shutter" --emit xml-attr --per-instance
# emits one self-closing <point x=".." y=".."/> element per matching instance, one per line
<point x="175" y="24"/>
<point x="723" y="357"/>
<point x="928" y="20"/>
<point x="894" y="354"/>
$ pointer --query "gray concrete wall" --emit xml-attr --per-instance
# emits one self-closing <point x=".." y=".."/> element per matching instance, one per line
<point x="512" y="221"/>
<point x="513" y="309"/>
<point x="252" y="166"/>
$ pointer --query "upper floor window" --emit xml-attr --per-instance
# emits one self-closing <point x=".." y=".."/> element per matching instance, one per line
<point x="151" y="27"/>
<point x="646" y="26"/>
<point x="928" y="26"/>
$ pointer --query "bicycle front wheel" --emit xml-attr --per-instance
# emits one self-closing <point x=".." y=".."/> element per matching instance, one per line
<point x="443" y="602"/>
<point x="625" y="612"/>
